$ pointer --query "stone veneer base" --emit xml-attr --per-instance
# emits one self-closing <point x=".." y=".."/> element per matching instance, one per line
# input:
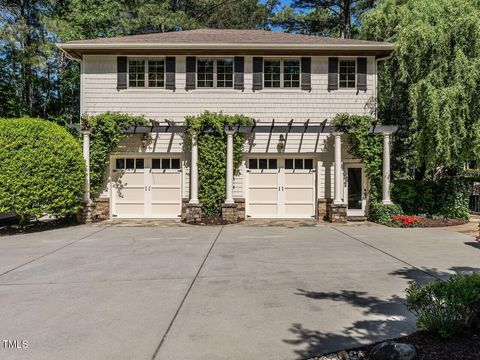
<point x="337" y="213"/>
<point x="230" y="213"/>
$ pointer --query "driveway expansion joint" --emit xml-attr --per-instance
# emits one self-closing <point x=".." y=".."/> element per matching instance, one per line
<point x="388" y="254"/>
<point x="52" y="252"/>
<point x="157" y="350"/>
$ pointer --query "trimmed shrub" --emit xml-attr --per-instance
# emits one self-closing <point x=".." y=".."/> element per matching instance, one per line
<point x="453" y="199"/>
<point x="416" y="197"/>
<point x="212" y="161"/>
<point x="41" y="169"/>
<point x="448" y="197"/>
<point x="107" y="131"/>
<point x="382" y="214"/>
<point x="449" y="307"/>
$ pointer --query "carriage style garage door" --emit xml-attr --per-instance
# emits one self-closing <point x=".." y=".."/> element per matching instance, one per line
<point x="280" y="188"/>
<point x="147" y="188"/>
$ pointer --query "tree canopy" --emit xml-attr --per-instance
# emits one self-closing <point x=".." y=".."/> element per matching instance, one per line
<point x="431" y="85"/>
<point x="337" y="18"/>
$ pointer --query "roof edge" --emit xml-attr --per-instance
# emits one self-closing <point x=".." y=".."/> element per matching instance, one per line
<point x="172" y="46"/>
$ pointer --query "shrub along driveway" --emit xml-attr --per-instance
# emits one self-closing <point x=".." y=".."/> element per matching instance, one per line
<point x="233" y="292"/>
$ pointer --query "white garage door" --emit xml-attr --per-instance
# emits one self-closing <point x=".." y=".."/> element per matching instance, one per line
<point x="280" y="188"/>
<point x="147" y="188"/>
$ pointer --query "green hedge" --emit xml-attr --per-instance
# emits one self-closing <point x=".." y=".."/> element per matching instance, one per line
<point x="449" y="307"/>
<point x="41" y="169"/>
<point x="447" y="197"/>
<point x="416" y="197"/>
<point x="212" y="147"/>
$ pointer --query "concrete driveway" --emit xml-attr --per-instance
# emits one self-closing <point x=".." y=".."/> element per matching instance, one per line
<point x="233" y="292"/>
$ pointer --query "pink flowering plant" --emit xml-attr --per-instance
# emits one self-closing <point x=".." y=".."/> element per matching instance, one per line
<point x="406" y="221"/>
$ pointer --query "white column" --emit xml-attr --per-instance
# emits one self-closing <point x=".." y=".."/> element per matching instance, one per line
<point x="194" y="172"/>
<point x="229" y="199"/>
<point x="86" y="157"/>
<point x="337" y="199"/>
<point x="386" y="169"/>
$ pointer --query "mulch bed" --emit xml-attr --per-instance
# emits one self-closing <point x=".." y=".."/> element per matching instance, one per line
<point x="37" y="226"/>
<point x="429" y="347"/>
<point x="442" y="222"/>
<point x="212" y="220"/>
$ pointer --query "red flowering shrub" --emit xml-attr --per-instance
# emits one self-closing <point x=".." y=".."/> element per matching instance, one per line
<point x="406" y="221"/>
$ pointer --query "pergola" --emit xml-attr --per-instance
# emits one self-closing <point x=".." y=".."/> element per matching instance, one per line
<point x="258" y="127"/>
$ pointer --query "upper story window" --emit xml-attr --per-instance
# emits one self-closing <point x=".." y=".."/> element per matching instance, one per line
<point x="146" y="73"/>
<point x="347" y="74"/>
<point x="213" y="73"/>
<point x="280" y="73"/>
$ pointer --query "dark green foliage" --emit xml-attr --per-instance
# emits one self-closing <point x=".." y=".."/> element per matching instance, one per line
<point x="212" y="149"/>
<point x="107" y="131"/>
<point x="416" y="197"/>
<point x="366" y="146"/>
<point x="41" y="169"/>
<point x="382" y="214"/>
<point x="447" y="197"/>
<point x="447" y="307"/>
<point x="337" y="18"/>
<point x="453" y="198"/>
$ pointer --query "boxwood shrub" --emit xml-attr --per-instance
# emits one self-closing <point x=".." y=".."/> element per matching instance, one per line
<point x="447" y="307"/>
<point x="41" y="169"/>
<point x="382" y="214"/>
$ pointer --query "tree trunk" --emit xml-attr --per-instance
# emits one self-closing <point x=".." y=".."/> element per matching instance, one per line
<point x="346" y="19"/>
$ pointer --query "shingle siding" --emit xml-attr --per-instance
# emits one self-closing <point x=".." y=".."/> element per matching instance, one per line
<point x="101" y="95"/>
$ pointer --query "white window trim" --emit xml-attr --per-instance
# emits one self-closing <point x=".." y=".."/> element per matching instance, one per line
<point x="146" y="59"/>
<point x="356" y="73"/>
<point x="215" y="59"/>
<point x="282" y="74"/>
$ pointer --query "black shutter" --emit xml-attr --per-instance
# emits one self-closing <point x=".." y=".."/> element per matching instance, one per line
<point x="362" y="74"/>
<point x="257" y="73"/>
<point x="121" y="72"/>
<point x="191" y="72"/>
<point x="306" y="74"/>
<point x="170" y="73"/>
<point x="239" y="68"/>
<point x="332" y="73"/>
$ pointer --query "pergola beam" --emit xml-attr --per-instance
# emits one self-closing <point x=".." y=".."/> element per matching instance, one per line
<point x="307" y="127"/>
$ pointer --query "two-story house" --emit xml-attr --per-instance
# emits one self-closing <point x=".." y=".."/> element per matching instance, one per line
<point x="292" y="85"/>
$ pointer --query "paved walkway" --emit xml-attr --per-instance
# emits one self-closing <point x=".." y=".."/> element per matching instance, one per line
<point x="232" y="292"/>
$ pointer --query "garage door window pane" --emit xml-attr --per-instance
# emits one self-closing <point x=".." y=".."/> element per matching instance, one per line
<point x="272" y="163"/>
<point x="175" y="163"/>
<point x="262" y="164"/>
<point x="139" y="163"/>
<point x="165" y="163"/>
<point x="309" y="164"/>
<point x="130" y="163"/>
<point x="288" y="163"/>
<point x="298" y="163"/>
<point x="252" y="164"/>
<point x="155" y="163"/>
<point x="120" y="164"/>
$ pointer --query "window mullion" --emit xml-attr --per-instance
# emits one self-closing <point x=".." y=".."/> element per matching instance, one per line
<point x="282" y="73"/>
<point x="214" y="73"/>
<point x="145" y="75"/>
